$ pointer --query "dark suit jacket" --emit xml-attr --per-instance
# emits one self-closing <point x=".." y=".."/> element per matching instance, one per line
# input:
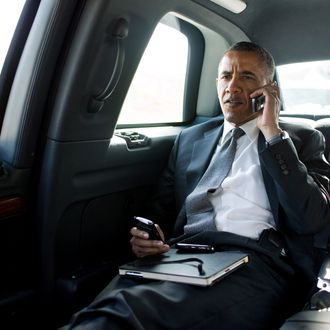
<point x="296" y="177"/>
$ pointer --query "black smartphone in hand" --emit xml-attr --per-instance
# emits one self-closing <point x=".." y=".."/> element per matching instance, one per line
<point x="150" y="227"/>
<point x="258" y="103"/>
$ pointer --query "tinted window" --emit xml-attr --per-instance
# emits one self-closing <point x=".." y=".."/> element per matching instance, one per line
<point x="156" y="94"/>
<point x="9" y="15"/>
<point x="306" y="87"/>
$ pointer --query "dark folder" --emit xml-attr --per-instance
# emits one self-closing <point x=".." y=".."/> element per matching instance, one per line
<point x="192" y="268"/>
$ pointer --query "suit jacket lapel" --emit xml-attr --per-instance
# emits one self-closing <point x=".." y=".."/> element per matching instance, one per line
<point x="202" y="153"/>
<point x="268" y="180"/>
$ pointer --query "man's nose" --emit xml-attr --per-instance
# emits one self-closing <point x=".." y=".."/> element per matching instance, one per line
<point x="233" y="86"/>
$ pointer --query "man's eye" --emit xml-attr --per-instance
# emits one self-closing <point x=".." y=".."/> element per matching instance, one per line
<point x="225" y="77"/>
<point x="248" y="77"/>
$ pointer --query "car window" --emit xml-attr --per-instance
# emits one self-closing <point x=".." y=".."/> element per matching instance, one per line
<point x="9" y="15"/>
<point x="156" y="93"/>
<point x="305" y="87"/>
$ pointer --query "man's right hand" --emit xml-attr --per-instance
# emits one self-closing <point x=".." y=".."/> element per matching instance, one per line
<point x="142" y="246"/>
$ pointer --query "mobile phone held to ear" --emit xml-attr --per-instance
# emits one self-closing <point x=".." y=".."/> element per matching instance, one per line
<point x="258" y="103"/>
<point x="150" y="227"/>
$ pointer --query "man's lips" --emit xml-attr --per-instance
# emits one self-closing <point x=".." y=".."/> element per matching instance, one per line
<point x="233" y="101"/>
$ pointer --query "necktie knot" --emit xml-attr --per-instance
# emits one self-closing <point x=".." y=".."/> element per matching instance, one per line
<point x="237" y="133"/>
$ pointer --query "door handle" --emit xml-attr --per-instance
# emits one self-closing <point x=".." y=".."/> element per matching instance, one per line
<point x="133" y="139"/>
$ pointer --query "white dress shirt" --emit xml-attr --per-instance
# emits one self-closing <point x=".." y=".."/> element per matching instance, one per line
<point x="241" y="203"/>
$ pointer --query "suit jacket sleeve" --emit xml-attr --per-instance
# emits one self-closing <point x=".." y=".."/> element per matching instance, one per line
<point x="301" y="177"/>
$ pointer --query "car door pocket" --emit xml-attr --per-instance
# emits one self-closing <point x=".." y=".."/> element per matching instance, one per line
<point x="133" y="139"/>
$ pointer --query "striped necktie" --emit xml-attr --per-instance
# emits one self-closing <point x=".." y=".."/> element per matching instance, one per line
<point x="199" y="210"/>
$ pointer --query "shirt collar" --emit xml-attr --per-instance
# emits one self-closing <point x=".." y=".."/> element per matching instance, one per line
<point x="250" y="128"/>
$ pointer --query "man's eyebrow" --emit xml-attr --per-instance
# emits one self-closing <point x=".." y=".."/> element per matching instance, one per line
<point x="242" y="73"/>
<point x="247" y="73"/>
<point x="225" y="72"/>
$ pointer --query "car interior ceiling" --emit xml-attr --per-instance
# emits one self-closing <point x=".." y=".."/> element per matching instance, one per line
<point x="283" y="28"/>
<point x="87" y="182"/>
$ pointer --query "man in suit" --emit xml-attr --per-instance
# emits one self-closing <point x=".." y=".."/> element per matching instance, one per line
<point x="273" y="204"/>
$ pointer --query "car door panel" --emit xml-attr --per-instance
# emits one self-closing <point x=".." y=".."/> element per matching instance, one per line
<point x="88" y="193"/>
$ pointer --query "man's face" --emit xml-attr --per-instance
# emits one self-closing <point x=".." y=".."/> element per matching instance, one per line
<point x="240" y="74"/>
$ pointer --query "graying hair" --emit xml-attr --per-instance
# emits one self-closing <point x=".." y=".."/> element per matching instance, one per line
<point x="264" y="55"/>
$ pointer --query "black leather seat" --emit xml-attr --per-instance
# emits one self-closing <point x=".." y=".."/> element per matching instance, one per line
<point x="323" y="125"/>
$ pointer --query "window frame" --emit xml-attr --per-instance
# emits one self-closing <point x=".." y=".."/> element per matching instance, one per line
<point x="196" y="46"/>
